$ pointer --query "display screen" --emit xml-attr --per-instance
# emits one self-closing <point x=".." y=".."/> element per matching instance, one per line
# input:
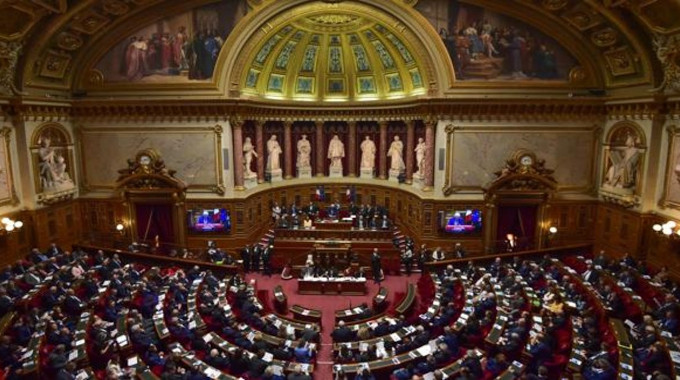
<point x="462" y="221"/>
<point x="209" y="220"/>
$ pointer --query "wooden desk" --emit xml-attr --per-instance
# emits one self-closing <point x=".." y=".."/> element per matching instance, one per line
<point x="280" y="300"/>
<point x="308" y="315"/>
<point x="408" y="301"/>
<point x="380" y="300"/>
<point x="332" y="286"/>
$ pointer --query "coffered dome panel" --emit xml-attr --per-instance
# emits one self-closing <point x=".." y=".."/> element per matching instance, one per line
<point x="335" y="53"/>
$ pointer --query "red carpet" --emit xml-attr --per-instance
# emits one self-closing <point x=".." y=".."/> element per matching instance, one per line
<point x="328" y="304"/>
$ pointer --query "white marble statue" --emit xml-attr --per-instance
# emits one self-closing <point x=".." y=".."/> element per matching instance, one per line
<point x="395" y="153"/>
<point x="304" y="150"/>
<point x="273" y="154"/>
<point x="336" y="152"/>
<point x="368" y="153"/>
<point x="624" y="165"/>
<point x="248" y="154"/>
<point x="53" y="170"/>
<point x="420" y="150"/>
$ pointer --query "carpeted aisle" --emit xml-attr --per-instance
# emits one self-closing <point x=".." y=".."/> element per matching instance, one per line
<point x="328" y="304"/>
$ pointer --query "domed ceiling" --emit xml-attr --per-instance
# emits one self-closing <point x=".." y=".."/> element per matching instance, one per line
<point x="334" y="56"/>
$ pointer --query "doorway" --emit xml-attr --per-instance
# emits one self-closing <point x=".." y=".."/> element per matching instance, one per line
<point x="520" y="221"/>
<point x="155" y="225"/>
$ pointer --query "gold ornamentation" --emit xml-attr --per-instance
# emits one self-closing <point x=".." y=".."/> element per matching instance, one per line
<point x="554" y="5"/>
<point x="605" y="37"/>
<point x="9" y="56"/>
<point x="524" y="169"/>
<point x="115" y="7"/>
<point x="620" y="62"/>
<point x="668" y="53"/>
<point x="148" y="171"/>
<point x="69" y="41"/>
<point x="95" y="77"/>
<point x="334" y="19"/>
<point x="577" y="75"/>
<point x="55" y="65"/>
<point x="90" y="22"/>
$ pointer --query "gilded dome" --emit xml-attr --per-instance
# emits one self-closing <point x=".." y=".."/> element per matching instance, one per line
<point x="334" y="54"/>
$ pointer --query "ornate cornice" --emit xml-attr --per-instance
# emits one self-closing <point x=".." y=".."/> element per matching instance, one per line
<point x="474" y="110"/>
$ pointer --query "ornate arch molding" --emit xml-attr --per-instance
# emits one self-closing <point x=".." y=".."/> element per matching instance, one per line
<point x="262" y="25"/>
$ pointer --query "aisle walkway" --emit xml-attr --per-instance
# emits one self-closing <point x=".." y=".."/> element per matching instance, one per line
<point x="328" y="304"/>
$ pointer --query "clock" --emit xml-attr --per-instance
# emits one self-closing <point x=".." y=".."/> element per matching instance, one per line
<point x="144" y="160"/>
<point x="526" y="160"/>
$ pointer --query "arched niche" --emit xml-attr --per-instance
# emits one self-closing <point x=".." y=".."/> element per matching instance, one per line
<point x="52" y="156"/>
<point x="624" y="152"/>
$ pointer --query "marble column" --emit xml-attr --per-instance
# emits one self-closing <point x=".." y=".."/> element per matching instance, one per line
<point x="320" y="158"/>
<point x="429" y="154"/>
<point x="261" y="152"/>
<point x="410" y="146"/>
<point x="237" y="132"/>
<point x="352" y="142"/>
<point x="382" y="150"/>
<point x="288" y="149"/>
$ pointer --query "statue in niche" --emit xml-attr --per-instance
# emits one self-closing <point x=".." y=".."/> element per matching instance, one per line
<point x="274" y="154"/>
<point x="420" y="150"/>
<point x="248" y="154"/>
<point x="304" y="149"/>
<point x="395" y="153"/>
<point x="336" y="152"/>
<point x="624" y="162"/>
<point x="52" y="166"/>
<point x="368" y="150"/>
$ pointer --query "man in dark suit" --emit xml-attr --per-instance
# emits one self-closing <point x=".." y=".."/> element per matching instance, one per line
<point x="245" y="256"/>
<point x="266" y="260"/>
<point x="376" y="266"/>
<point x="255" y="262"/>
<point x="342" y="333"/>
<point x="72" y="304"/>
<point x="590" y="275"/>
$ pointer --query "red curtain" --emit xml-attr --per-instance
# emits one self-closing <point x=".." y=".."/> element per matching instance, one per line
<point x="159" y="221"/>
<point x="519" y="221"/>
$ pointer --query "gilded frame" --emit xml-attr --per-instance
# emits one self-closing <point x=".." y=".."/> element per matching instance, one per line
<point x="452" y="129"/>
<point x="12" y="198"/>
<point x="217" y="187"/>
<point x="673" y="151"/>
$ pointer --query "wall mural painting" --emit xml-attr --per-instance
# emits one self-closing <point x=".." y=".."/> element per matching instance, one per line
<point x="176" y="49"/>
<point x="486" y="45"/>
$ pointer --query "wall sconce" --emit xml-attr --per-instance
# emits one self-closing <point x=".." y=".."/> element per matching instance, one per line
<point x="10" y="225"/>
<point x="668" y="229"/>
<point x="552" y="230"/>
<point x="120" y="227"/>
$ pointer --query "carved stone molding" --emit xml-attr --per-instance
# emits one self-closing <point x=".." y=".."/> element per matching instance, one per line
<point x="9" y="56"/>
<point x="523" y="172"/>
<point x="147" y="171"/>
<point x="667" y="50"/>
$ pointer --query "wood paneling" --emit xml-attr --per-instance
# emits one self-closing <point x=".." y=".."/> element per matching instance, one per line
<point x="618" y="230"/>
